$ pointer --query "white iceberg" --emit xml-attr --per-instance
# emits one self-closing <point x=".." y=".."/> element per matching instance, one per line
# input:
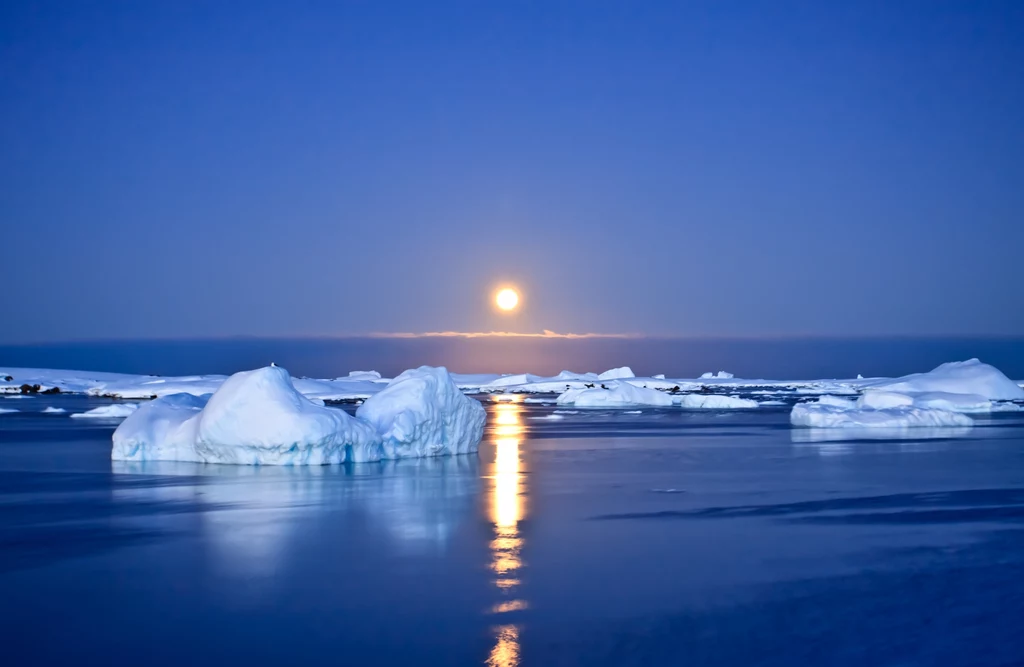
<point x="721" y="375"/>
<point x="113" y="411"/>
<point x="255" y="418"/>
<point x="620" y="394"/>
<point x="422" y="412"/>
<point x="714" y="402"/>
<point x="259" y="418"/>
<point x="873" y="410"/>
<point x="956" y="377"/>
<point x="54" y="411"/>
<point x="4" y="411"/>
<point x="617" y="373"/>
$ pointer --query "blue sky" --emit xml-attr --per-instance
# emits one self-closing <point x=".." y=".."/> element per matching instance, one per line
<point x="176" y="169"/>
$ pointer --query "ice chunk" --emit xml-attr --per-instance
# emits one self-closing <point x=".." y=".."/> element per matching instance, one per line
<point x="956" y="377"/>
<point x="258" y="417"/>
<point x="721" y="375"/>
<point x="423" y="413"/>
<point x="618" y="395"/>
<point x="714" y="402"/>
<point x="830" y="415"/>
<point x="255" y="417"/>
<point x="617" y="373"/>
<point x="162" y="430"/>
<point x="114" y="411"/>
<point x="882" y="400"/>
<point x="4" y="411"/>
<point x="54" y="411"/>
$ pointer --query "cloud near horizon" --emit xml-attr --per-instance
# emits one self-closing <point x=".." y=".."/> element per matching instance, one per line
<point x="546" y="333"/>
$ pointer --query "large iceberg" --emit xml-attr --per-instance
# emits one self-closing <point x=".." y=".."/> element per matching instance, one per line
<point x="258" y="417"/>
<point x="422" y="412"/>
<point x="956" y="377"/>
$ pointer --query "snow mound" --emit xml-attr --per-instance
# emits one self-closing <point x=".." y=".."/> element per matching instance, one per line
<point x="115" y="411"/>
<point x="892" y="413"/>
<point x="617" y="374"/>
<point x="956" y="377"/>
<point x="619" y="395"/>
<point x="422" y="412"/>
<point x="714" y="402"/>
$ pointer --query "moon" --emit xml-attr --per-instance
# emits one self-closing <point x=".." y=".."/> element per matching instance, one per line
<point x="506" y="299"/>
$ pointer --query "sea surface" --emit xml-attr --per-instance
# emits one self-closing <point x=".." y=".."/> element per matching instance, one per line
<point x="765" y="358"/>
<point x="581" y="537"/>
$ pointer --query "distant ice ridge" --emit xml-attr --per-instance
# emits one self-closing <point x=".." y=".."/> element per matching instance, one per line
<point x="113" y="411"/>
<point x="259" y="418"/>
<point x="955" y="377"/>
<point x="618" y="395"/>
<point x="625" y="394"/>
<point x="714" y="402"/>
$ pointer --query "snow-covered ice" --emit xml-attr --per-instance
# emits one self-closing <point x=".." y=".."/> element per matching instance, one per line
<point x="258" y="417"/>
<point x="4" y="411"/>
<point x="955" y="377"/>
<point x="713" y="402"/>
<point x="255" y="417"/>
<point x="113" y="411"/>
<point x="873" y="410"/>
<point x="423" y="413"/>
<point x="617" y="373"/>
<point x="619" y="395"/>
<point x="54" y="411"/>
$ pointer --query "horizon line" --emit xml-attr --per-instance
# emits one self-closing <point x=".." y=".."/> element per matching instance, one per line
<point x="545" y="334"/>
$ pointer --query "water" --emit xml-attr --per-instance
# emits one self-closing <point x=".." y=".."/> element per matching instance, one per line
<point x="596" y="538"/>
<point x="782" y="358"/>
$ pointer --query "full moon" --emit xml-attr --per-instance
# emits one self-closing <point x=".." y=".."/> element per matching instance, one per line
<point x="507" y="299"/>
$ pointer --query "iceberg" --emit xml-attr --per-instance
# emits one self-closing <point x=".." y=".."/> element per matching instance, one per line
<point x="114" y="411"/>
<point x="619" y="395"/>
<point x="617" y="373"/>
<point x="4" y="411"/>
<point x="956" y="377"/>
<point x="883" y="410"/>
<point x="54" y="411"/>
<point x="422" y="412"/>
<point x="714" y="402"/>
<point x="255" y="417"/>
<point x="721" y="375"/>
<point x="259" y="418"/>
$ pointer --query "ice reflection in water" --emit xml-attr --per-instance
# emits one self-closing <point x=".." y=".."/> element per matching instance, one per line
<point x="507" y="510"/>
<point x="254" y="516"/>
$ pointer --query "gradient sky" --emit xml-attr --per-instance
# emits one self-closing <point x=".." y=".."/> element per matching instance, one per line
<point x="745" y="168"/>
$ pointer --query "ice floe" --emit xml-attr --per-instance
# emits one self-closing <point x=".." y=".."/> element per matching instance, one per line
<point x="713" y="402"/>
<point x="620" y="394"/>
<point x="112" y="411"/>
<point x="955" y="377"/>
<point x="873" y="410"/>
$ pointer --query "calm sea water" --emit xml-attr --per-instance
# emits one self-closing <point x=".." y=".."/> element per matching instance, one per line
<point x="589" y="538"/>
<point x="326" y="357"/>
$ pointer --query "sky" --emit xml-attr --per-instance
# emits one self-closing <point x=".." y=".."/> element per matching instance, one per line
<point x="198" y="169"/>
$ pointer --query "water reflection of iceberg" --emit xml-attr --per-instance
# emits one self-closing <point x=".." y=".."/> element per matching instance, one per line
<point x="252" y="516"/>
<point x="808" y="435"/>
